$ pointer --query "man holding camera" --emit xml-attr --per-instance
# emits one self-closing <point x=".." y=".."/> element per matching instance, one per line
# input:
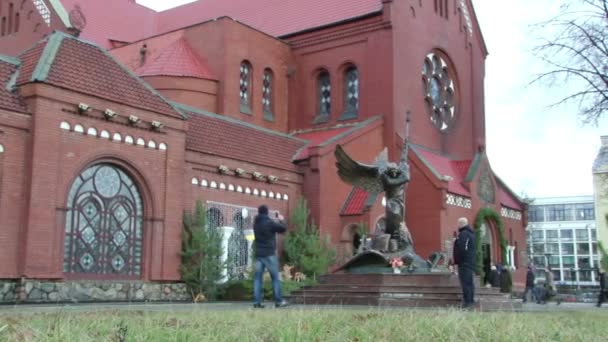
<point x="265" y="230"/>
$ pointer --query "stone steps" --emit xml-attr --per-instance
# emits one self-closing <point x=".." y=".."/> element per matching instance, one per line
<point x="349" y="288"/>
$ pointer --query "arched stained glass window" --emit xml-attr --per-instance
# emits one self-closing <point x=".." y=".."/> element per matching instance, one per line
<point x="351" y="93"/>
<point x="268" y="95"/>
<point x="104" y="222"/>
<point x="324" y="97"/>
<point x="245" y="87"/>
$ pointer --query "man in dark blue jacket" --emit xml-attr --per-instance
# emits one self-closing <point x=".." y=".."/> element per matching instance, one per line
<point x="464" y="256"/>
<point x="265" y="230"/>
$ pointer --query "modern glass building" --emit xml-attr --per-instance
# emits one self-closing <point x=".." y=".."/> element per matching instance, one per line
<point x="561" y="232"/>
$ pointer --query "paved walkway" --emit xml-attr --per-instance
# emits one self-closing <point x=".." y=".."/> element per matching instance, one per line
<point x="223" y="306"/>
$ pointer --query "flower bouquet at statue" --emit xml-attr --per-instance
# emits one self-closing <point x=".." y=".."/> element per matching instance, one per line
<point x="397" y="265"/>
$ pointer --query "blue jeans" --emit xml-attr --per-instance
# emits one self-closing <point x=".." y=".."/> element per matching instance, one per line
<point x="272" y="264"/>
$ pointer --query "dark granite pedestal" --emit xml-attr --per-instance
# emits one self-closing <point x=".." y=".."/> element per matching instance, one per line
<point x="431" y="289"/>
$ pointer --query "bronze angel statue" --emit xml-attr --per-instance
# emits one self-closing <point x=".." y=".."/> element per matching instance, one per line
<point x="392" y="179"/>
<point x="383" y="176"/>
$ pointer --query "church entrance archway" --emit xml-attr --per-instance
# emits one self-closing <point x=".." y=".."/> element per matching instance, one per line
<point x="487" y="248"/>
<point x="104" y="225"/>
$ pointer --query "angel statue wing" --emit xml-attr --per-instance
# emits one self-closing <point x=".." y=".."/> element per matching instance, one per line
<point x="364" y="176"/>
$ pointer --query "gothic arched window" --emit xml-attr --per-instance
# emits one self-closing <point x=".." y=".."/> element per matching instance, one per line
<point x="268" y="94"/>
<point x="324" y="97"/>
<point x="245" y="87"/>
<point x="104" y="222"/>
<point x="10" y="18"/>
<point x="351" y="93"/>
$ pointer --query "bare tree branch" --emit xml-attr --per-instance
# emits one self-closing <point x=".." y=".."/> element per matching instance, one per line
<point x="577" y="55"/>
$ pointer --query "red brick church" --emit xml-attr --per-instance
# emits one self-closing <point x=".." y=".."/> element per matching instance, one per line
<point x="115" y="118"/>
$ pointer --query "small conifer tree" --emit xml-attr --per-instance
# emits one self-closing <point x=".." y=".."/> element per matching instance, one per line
<point x="304" y="246"/>
<point x="201" y="265"/>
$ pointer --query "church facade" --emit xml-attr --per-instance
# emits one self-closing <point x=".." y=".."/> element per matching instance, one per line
<point x="114" y="119"/>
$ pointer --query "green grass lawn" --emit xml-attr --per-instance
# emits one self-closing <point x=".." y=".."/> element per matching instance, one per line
<point x="307" y="325"/>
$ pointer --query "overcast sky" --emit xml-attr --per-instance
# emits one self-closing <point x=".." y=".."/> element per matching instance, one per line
<point x="536" y="149"/>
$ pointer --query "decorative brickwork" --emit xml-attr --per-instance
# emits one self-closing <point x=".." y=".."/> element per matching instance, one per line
<point x="510" y="213"/>
<point x="458" y="201"/>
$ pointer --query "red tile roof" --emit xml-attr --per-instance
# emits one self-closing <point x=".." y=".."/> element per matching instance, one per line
<point x="217" y="135"/>
<point x="316" y="138"/>
<point x="124" y="20"/>
<point x="355" y="203"/>
<point x="178" y="59"/>
<point x="8" y="99"/>
<point x="70" y="63"/>
<point x="29" y="61"/>
<point x="456" y="169"/>
<point x="275" y="17"/>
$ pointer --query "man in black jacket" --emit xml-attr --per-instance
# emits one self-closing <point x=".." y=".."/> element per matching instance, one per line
<point x="464" y="256"/>
<point x="530" y="278"/>
<point x="265" y="230"/>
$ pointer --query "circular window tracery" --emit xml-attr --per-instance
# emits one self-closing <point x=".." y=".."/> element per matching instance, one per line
<point x="439" y="90"/>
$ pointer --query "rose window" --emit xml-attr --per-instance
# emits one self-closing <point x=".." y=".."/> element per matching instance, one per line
<point x="439" y="90"/>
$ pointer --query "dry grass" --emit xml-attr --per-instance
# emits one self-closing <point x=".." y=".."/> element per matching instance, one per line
<point x="307" y="325"/>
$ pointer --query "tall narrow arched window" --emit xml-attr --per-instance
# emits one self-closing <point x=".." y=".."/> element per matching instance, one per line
<point x="245" y="87"/>
<point x="10" y="19"/>
<point x="351" y="93"/>
<point x="3" y="31"/>
<point x="324" y="97"/>
<point x="17" y="22"/>
<point x="268" y="94"/>
<point x="104" y="225"/>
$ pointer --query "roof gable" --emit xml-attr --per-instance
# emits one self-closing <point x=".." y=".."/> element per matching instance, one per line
<point x="506" y="196"/>
<point x="446" y="169"/>
<point x="71" y="63"/>
<point x="9" y="99"/>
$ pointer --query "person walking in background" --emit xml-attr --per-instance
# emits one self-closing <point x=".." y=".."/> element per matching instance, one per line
<point x="265" y="230"/>
<point x="601" y="276"/>
<point x="464" y="256"/>
<point x="550" y="289"/>
<point x="530" y="278"/>
<point x="494" y="276"/>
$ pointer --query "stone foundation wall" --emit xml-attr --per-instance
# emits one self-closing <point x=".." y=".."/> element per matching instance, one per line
<point x="32" y="291"/>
